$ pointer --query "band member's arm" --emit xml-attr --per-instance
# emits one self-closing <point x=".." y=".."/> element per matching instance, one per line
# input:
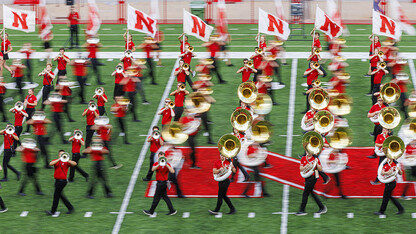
<point x="309" y="58"/>
<point x="320" y="72"/>
<point x="122" y="59"/>
<point x="105" y="151"/>
<point x="172" y="112"/>
<point x="187" y="72"/>
<point x="71" y="138"/>
<point x="114" y="73"/>
<point x="161" y="111"/>
<point x="96" y="113"/>
<point x="385" y="71"/>
<point x="313" y="32"/>
<point x="15" y="137"/>
<point x="125" y="35"/>
<point x="47" y="121"/>
<point x="10" y="49"/>
<point x="240" y="70"/>
<point x="155" y="167"/>
<point x="104" y="98"/>
<point x="85" y="112"/>
<point x="180" y="36"/>
<point x="53" y="162"/>
<point x="29" y="122"/>
<point x="379" y="145"/>
<point x="50" y="74"/>
<point x="233" y="168"/>
<point x="87" y="150"/>
<point x="215" y="170"/>
<point x="173" y="93"/>
<point x="73" y="163"/>
<point x="12" y="110"/>
<point x="186" y="92"/>
<point x="82" y="142"/>
<point x="161" y="142"/>
<point x="2" y="132"/>
<point x="149" y="138"/>
<point x="171" y="170"/>
<point x="369" y="115"/>
<point x="319" y="57"/>
<point x="253" y="69"/>
<point x="399" y="170"/>
<point x="257" y="37"/>
<point x="307" y="72"/>
<point x="25" y="114"/>
<point x="19" y="149"/>
<point x="374" y="72"/>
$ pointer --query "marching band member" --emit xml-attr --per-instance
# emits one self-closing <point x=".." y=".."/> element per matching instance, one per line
<point x="101" y="100"/>
<point x="9" y="138"/>
<point x="119" y="110"/>
<point x="223" y="186"/>
<point x="62" y="60"/>
<point x="66" y="93"/>
<point x="91" y="113"/>
<point x="226" y="38"/>
<point x="2" y="92"/>
<point x="129" y="42"/>
<point x="315" y="58"/>
<point x="389" y="168"/>
<point x="166" y="112"/>
<point x="179" y="100"/>
<point x="172" y="177"/>
<point x="47" y="46"/>
<point x="204" y="66"/>
<point x="187" y="55"/>
<point x="251" y="151"/>
<point x="148" y="46"/>
<point x="403" y="95"/>
<point x="2" y="205"/>
<point x="337" y="83"/>
<point x="374" y="60"/>
<point x="188" y="119"/>
<point x="19" y="114"/>
<point x="204" y="115"/>
<point x="311" y="74"/>
<point x="30" y="103"/>
<point x="182" y="73"/>
<point x="316" y="42"/>
<point x="310" y="184"/>
<point x="79" y="69"/>
<point x="29" y="156"/>
<point x="156" y="141"/>
<point x="61" y="170"/>
<point x="379" y="144"/>
<point x="97" y="152"/>
<point x="373" y="116"/>
<point x="105" y="131"/>
<point x="57" y="107"/>
<point x="138" y="67"/>
<point x="257" y="59"/>
<point x="375" y="44"/>
<point x="48" y="77"/>
<point x="213" y="45"/>
<point x="246" y="71"/>
<point x="17" y="67"/>
<point x="6" y="48"/>
<point x="262" y="42"/>
<point x="333" y="158"/>
<point x="186" y="43"/>
<point x="92" y="48"/>
<point x="127" y="61"/>
<point x="162" y="172"/>
<point x="119" y="75"/>
<point x="129" y="88"/>
<point x="411" y="153"/>
<point x="77" y="142"/>
<point x="236" y="163"/>
<point x="73" y="27"/>
<point x="39" y="127"/>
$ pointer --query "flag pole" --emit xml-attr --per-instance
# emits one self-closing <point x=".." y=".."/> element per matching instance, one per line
<point x="183" y="43"/>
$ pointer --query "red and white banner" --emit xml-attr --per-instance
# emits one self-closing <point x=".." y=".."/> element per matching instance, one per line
<point x="272" y="25"/>
<point x="397" y="13"/>
<point x="385" y="26"/>
<point x="140" y="22"/>
<point x="94" y="21"/>
<point x="45" y="25"/>
<point x="194" y="26"/>
<point x="221" y="23"/>
<point x="326" y="25"/>
<point x="19" y="19"/>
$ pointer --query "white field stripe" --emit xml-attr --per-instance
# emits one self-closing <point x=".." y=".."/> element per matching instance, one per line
<point x="143" y="152"/>
<point x="87" y="214"/>
<point x="251" y="215"/>
<point x="24" y="213"/>
<point x="412" y="72"/>
<point x="186" y="215"/>
<point x="289" y="140"/>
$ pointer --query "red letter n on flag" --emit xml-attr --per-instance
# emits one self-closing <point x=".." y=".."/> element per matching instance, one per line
<point x="141" y="19"/>
<point x="273" y="23"/>
<point x="199" y="27"/>
<point x="333" y="28"/>
<point x="18" y="19"/>
<point x="390" y="24"/>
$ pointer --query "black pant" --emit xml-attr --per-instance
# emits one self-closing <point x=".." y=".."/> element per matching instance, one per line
<point x="152" y="161"/>
<point x="42" y="146"/>
<point x="407" y="185"/>
<point x="29" y="175"/>
<point x="204" y="118"/>
<point x="192" y="143"/>
<point x="59" y="194"/>
<point x="19" y="85"/>
<point x="309" y="184"/>
<point x="222" y="194"/>
<point x="403" y="98"/>
<point x="151" y="67"/>
<point x="94" y="64"/>
<point x="101" y="110"/>
<point x="29" y="70"/>
<point x="172" y="178"/>
<point x="178" y="112"/>
<point x="241" y="168"/>
<point x="81" y="82"/>
<point x="2" y="205"/>
<point x="58" y="124"/>
<point x="67" y="104"/>
<point x="161" y="187"/>
<point x="76" y="157"/>
<point x="45" y="94"/>
<point x="122" y="127"/>
<point x="90" y="133"/>
<point x="74" y="35"/>
<point x="30" y="112"/>
<point x="308" y="106"/>
<point x="215" y="70"/>
<point x="376" y="88"/>
<point x="257" y="179"/>
<point x="387" y="195"/>
<point x="372" y="80"/>
<point x="99" y="173"/>
<point x="140" y="90"/>
<point x="188" y="79"/>
<point x="277" y="72"/>
<point x="258" y="73"/>
<point x="337" y="183"/>
<point x="118" y="90"/>
<point x="61" y="73"/>
<point x="6" y="159"/>
<point x="2" y="107"/>
<point x="109" y="155"/>
<point x="132" y="98"/>
<point x="18" y="131"/>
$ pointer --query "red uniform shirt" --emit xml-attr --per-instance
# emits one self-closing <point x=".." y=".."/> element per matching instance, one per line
<point x="257" y="60"/>
<point x="268" y="69"/>
<point x="76" y="145"/>
<point x="40" y="127"/>
<point x="274" y="50"/>
<point x="62" y="62"/>
<point x="155" y="144"/>
<point x="387" y="167"/>
<point x="92" y="49"/>
<point x="218" y="164"/>
<point x="2" y="87"/>
<point x="5" y="46"/>
<point x="147" y="49"/>
<point x="18" y="117"/>
<point x="261" y="87"/>
<point x="339" y="86"/>
<point x="61" y="170"/>
<point x="91" y="116"/>
<point x="47" y="79"/>
<point x="310" y="114"/>
<point x="187" y="119"/>
<point x="262" y="45"/>
<point x="410" y="150"/>
<point x="317" y="43"/>
<point x="130" y="86"/>
<point x="181" y="77"/>
<point x="311" y="76"/>
<point x="374" y="61"/>
<point x="304" y="161"/>
<point x="245" y="74"/>
<point x="57" y="107"/>
<point x="378" y="76"/>
<point x="97" y="155"/>
<point x="187" y="58"/>
<point x="179" y="98"/>
<point x="161" y="172"/>
<point x="402" y="85"/>
<point x="28" y="155"/>
<point x="31" y="99"/>
<point x="120" y="110"/>
<point x="314" y="58"/>
<point x="397" y="68"/>
<point x="118" y="78"/>
<point x="381" y="138"/>
<point x="105" y="132"/>
<point x="204" y="69"/>
<point x="100" y="99"/>
<point x="66" y="91"/>
<point x="79" y="69"/>
<point x="126" y="63"/>
<point x="377" y="45"/>
<point x="18" y="70"/>
<point x="8" y="140"/>
<point x="166" y="116"/>
<point x="213" y="49"/>
<point x="129" y="46"/>
<point x="376" y="108"/>
<point x="27" y="53"/>
<point x="73" y="18"/>
<point x="247" y="108"/>
<point x="181" y="46"/>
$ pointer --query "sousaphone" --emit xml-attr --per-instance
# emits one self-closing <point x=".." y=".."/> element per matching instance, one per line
<point x="323" y="121"/>
<point x="318" y="98"/>
<point x="340" y="137"/>
<point x="261" y="131"/>
<point x="389" y="117"/>
<point x="390" y="92"/>
<point x="247" y="92"/>
<point x="340" y="105"/>
<point x="196" y="103"/>
<point x="172" y="133"/>
<point x="262" y="105"/>
<point x="241" y="119"/>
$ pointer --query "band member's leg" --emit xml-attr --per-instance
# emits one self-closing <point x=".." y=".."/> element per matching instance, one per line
<point x="30" y="112"/>
<point x="152" y="161"/>
<point x="93" y="181"/>
<point x="18" y="131"/>
<point x="45" y="94"/>
<point x="376" y="89"/>
<point x="123" y="129"/>
<point x="317" y="200"/>
<point x="151" y="70"/>
<point x="88" y="139"/>
<point x="191" y="143"/>
<point x="323" y="70"/>
<point x="189" y="80"/>
<point x="95" y="64"/>
<point x="226" y="198"/>
<point x="58" y="124"/>
<point x="2" y="108"/>
<point x="76" y="157"/>
<point x="167" y="200"/>
<point x="67" y="107"/>
<point x="403" y="99"/>
<point x="140" y="90"/>
<point x="20" y="86"/>
<point x="132" y="98"/>
<point x="101" y="110"/>
<point x="2" y="205"/>
<point x="204" y="118"/>
<point x="109" y="155"/>
<point x="72" y="36"/>
<point x="309" y="184"/>
<point x="178" y="112"/>
<point x="172" y="178"/>
<point x="42" y="146"/>
<point x="59" y="186"/>
<point x="338" y="184"/>
<point x="241" y="168"/>
<point x="101" y="175"/>
<point x="388" y="189"/>
<point x="216" y="71"/>
<point x="160" y="187"/>
<point x="76" y="34"/>
<point x="81" y="82"/>
<point x="6" y="159"/>
<point x="29" y="70"/>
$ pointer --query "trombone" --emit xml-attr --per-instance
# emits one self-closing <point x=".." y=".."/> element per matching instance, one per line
<point x="382" y="65"/>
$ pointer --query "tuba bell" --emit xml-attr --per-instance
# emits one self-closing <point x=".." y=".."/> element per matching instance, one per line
<point x="393" y="147"/>
<point x="263" y="104"/>
<point x="64" y="157"/>
<point x="323" y="121"/>
<point x="123" y="101"/>
<point x="312" y="142"/>
<point x="247" y="92"/>
<point x="10" y="129"/>
<point x="241" y="119"/>
<point x="55" y="97"/>
<point x="173" y="134"/>
<point x="410" y="128"/>
<point x="261" y="131"/>
<point x="229" y="145"/>
<point x="18" y="106"/>
<point x="97" y="144"/>
<point x="119" y="68"/>
<point x="99" y="91"/>
<point x="128" y="53"/>
<point x="196" y="103"/>
<point x="318" y="98"/>
<point x="140" y="61"/>
<point x="78" y="134"/>
<point x="390" y="92"/>
<point x="389" y="117"/>
<point x="340" y="138"/>
<point x="340" y="105"/>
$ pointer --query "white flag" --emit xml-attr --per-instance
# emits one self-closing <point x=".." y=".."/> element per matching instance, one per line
<point x="19" y="19"/>
<point x="397" y="13"/>
<point x="154" y="9"/>
<point x="45" y="25"/>
<point x="139" y="21"/>
<point x="385" y="26"/>
<point x="194" y="26"/>
<point x="326" y="25"/>
<point x="272" y="25"/>
<point x="94" y="21"/>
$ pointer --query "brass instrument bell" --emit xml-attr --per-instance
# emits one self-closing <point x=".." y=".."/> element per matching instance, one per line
<point x="318" y="98"/>
<point x="99" y="91"/>
<point x="340" y="138"/>
<point x="262" y="105"/>
<point x="393" y="147"/>
<point x="316" y="65"/>
<point x="185" y="66"/>
<point x="340" y="104"/>
<point x="19" y="106"/>
<point x="172" y="133"/>
<point x="389" y="117"/>
<point x="119" y="68"/>
<point x="229" y="145"/>
<point x="312" y="142"/>
<point x="241" y="119"/>
<point x="64" y="157"/>
<point x="390" y="92"/>
<point x="196" y="103"/>
<point x="247" y="92"/>
<point x="323" y="121"/>
<point x="410" y="128"/>
<point x="261" y="131"/>
<point x="128" y="53"/>
<point x="191" y="49"/>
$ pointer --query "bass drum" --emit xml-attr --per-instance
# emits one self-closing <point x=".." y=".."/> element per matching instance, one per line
<point x="255" y="161"/>
<point x="383" y="179"/>
<point x="175" y="157"/>
<point x="332" y="168"/>
<point x="304" y="126"/>
<point x="310" y="172"/>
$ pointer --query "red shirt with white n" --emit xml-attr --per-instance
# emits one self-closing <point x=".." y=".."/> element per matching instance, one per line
<point x="31" y="99"/>
<point x="155" y="144"/>
<point x="387" y="167"/>
<point x="91" y="116"/>
<point x="218" y="164"/>
<point x="374" y="60"/>
<point x="166" y="116"/>
<point x="161" y="172"/>
<point x="381" y="138"/>
<point x="305" y="160"/>
<point x="257" y="60"/>
<point x="262" y="45"/>
<point x="376" y="107"/>
<point x="40" y="127"/>
<point x="317" y="43"/>
<point x="47" y="79"/>
<point x="76" y="145"/>
<point x="311" y="76"/>
<point x="18" y="117"/>
<point x="186" y="120"/>
<point x="179" y="98"/>
<point x="100" y="99"/>
<point x="246" y="74"/>
<point x="187" y="58"/>
<point x="97" y="155"/>
<point x="118" y="78"/>
<point x="62" y="62"/>
<point x="28" y="155"/>
<point x="126" y="63"/>
<point x="378" y="76"/>
<point x="8" y="140"/>
<point x="61" y="170"/>
<point x="105" y="132"/>
<point x="5" y="46"/>
<point x="129" y="46"/>
<point x="181" y="75"/>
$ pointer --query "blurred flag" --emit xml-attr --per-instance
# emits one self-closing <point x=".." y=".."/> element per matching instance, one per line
<point x="154" y="9"/>
<point x="272" y="25"/>
<point x="19" y="19"/>
<point x="397" y="13"/>
<point x="377" y="6"/>
<point x="94" y="21"/>
<point x="45" y="25"/>
<point x="333" y="13"/>
<point x="139" y="21"/>
<point x="194" y="26"/>
<point x="279" y="9"/>
<point x="222" y="24"/>
<point x="385" y="26"/>
<point x="326" y="25"/>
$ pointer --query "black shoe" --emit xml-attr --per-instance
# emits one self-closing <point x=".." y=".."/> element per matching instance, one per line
<point x="21" y="194"/>
<point x="154" y="83"/>
<point x="4" y="180"/>
<point x="301" y="213"/>
<point x="367" y="75"/>
<point x="89" y="196"/>
<point x="109" y="195"/>
<point x="48" y="167"/>
<point x="101" y="83"/>
<point x="213" y="212"/>
<point x="19" y="174"/>
<point x="172" y="212"/>
<point x="245" y="195"/>
<point x="322" y="211"/>
<point x="147" y="212"/>
<point x="70" y="211"/>
<point x="137" y="120"/>
<point x="372" y="156"/>
<point x="371" y="134"/>
<point x="268" y="166"/>
<point x="3" y="210"/>
<point x="86" y="178"/>
<point x="223" y="82"/>
<point x="181" y="196"/>
<point x="71" y="120"/>
<point x="70" y="180"/>
<point x="304" y="112"/>
<point x="40" y="193"/>
<point x="145" y="103"/>
<point x="375" y="182"/>
<point x="211" y="143"/>
<point x="64" y="142"/>
<point x="195" y="167"/>
<point x="266" y="195"/>
<point x="127" y="143"/>
<point x="231" y="212"/>
<point x="378" y="213"/>
<point x="48" y="212"/>
<point x="343" y="197"/>
<point x="83" y="102"/>
<point x="145" y="179"/>
<point x="275" y="103"/>
<point x="400" y="212"/>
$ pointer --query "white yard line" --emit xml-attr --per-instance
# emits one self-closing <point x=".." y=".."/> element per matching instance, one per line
<point x="143" y="152"/>
<point x="289" y="141"/>
<point x="412" y="72"/>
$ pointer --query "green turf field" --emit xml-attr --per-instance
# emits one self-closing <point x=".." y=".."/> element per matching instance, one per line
<point x="102" y="221"/>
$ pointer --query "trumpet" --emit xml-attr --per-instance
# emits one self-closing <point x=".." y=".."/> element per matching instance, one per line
<point x="317" y="82"/>
<point x="92" y="106"/>
<point x="259" y="50"/>
<point x="78" y="134"/>
<point x="39" y="116"/>
<point x="185" y="66"/>
<point x="102" y="120"/>
<point x="317" y="51"/>
<point x="64" y="157"/>
<point x="315" y="65"/>
<point x="389" y="117"/>
<point x="173" y="134"/>
<point x="128" y="53"/>
<point x="241" y="119"/>
<point x="247" y="92"/>
<point x="250" y="64"/>
<point x="323" y="121"/>
<point x="382" y="65"/>
<point x="156" y="134"/>
<point x="162" y="161"/>
<point x="318" y="98"/>
<point x="390" y="92"/>
<point x="380" y="53"/>
<point x="10" y="129"/>
<point x="99" y="91"/>
<point x="29" y="143"/>
<point x="191" y="49"/>
<point x="119" y="68"/>
<point x="229" y="145"/>
<point x="261" y="131"/>
<point x="18" y="106"/>
<point x="182" y="87"/>
<point x="171" y="104"/>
